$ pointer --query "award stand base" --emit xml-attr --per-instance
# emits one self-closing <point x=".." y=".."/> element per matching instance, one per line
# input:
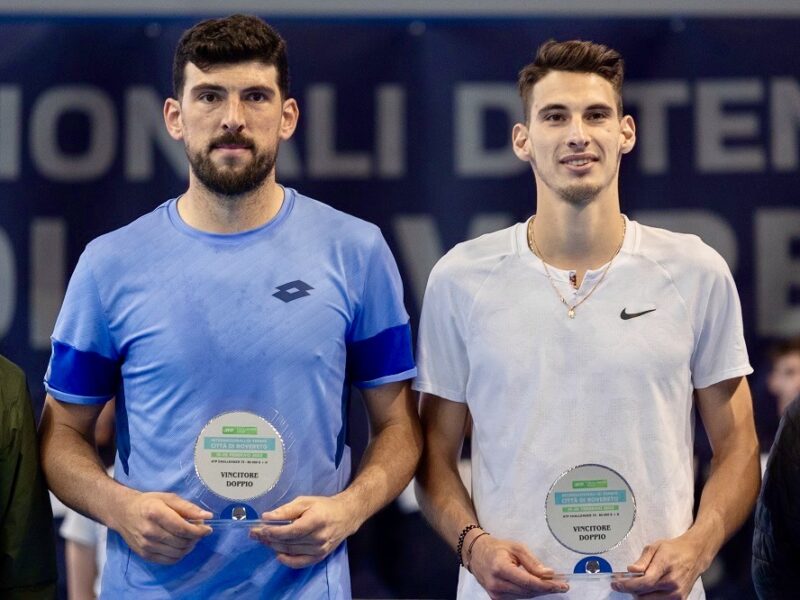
<point x="594" y="567"/>
<point x="594" y="576"/>
<point x="225" y="523"/>
<point x="239" y="515"/>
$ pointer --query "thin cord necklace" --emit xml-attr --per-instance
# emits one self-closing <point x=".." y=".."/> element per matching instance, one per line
<point x="571" y="308"/>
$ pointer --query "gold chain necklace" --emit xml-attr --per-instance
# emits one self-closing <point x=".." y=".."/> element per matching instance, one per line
<point x="571" y="308"/>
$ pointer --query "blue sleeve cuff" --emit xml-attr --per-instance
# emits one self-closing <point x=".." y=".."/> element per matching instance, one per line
<point x="382" y="358"/>
<point x="76" y="374"/>
<point x="73" y="399"/>
<point x="410" y="374"/>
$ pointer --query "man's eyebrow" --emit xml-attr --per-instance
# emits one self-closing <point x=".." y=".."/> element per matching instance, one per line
<point x="213" y="87"/>
<point x="549" y="107"/>
<point x="207" y="87"/>
<point x="265" y="89"/>
<point x="600" y="106"/>
<point x="595" y="106"/>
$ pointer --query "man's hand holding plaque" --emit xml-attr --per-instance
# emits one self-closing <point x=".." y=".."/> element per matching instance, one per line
<point x="508" y="569"/>
<point x="318" y="524"/>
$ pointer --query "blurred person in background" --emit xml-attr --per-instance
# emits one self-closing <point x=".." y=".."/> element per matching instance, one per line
<point x="777" y="391"/>
<point x="776" y="540"/>
<point x="783" y="381"/>
<point x="27" y="549"/>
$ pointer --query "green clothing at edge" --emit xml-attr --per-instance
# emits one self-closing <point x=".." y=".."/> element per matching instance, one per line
<point x="27" y="550"/>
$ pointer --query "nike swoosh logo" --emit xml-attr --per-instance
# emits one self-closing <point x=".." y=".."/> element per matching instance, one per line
<point x="624" y="315"/>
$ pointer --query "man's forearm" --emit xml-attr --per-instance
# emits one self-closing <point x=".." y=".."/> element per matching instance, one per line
<point x="75" y="473"/>
<point x="444" y="500"/>
<point x="726" y="409"/>
<point x="386" y="468"/>
<point x="725" y="507"/>
<point x="441" y="493"/>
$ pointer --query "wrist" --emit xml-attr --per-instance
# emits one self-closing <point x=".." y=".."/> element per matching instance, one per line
<point x="465" y="536"/>
<point x="471" y="536"/>
<point x="471" y="548"/>
<point x="354" y="508"/>
<point x="707" y="539"/>
<point x="120" y="497"/>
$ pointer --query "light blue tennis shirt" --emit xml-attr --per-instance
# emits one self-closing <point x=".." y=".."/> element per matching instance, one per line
<point x="183" y="325"/>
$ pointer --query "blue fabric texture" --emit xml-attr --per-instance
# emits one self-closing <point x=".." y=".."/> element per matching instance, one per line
<point x="82" y="374"/>
<point x="273" y="321"/>
<point x="369" y="359"/>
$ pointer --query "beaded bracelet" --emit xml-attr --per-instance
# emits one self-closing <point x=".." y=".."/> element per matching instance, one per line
<point x="461" y="537"/>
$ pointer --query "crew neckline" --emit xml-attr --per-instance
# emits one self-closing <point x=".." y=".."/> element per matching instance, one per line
<point x="177" y="221"/>
<point x="564" y="274"/>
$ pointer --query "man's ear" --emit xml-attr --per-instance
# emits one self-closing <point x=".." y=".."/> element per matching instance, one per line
<point x="628" y="133"/>
<point x="173" y="118"/>
<point x="289" y="116"/>
<point x="520" y="142"/>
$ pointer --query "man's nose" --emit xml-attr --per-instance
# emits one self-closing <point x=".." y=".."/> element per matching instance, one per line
<point x="578" y="136"/>
<point x="234" y="116"/>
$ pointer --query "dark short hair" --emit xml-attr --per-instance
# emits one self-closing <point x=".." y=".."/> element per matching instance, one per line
<point x="783" y="348"/>
<point x="578" y="56"/>
<point x="233" y="39"/>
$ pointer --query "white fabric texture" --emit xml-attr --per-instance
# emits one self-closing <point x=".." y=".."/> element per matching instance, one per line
<point x="547" y="392"/>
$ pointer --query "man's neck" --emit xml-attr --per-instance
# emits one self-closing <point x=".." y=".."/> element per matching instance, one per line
<point x="578" y="237"/>
<point x="207" y="211"/>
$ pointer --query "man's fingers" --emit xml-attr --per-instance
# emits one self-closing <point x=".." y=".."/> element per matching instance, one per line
<point x="289" y="511"/>
<point x="164" y="553"/>
<point x="532" y="564"/>
<point x="640" y="566"/>
<point x="644" y="564"/>
<point x="508" y="569"/>
<point x="158" y="537"/>
<point x="298" y="549"/>
<point x="649" y="582"/>
<point x="297" y="562"/>
<point x="532" y="573"/>
<point x="169" y="512"/>
<point x="296" y="531"/>
<point x="637" y="585"/>
<point x="177" y="527"/>
<point x="523" y="580"/>
<point x="184" y="508"/>
<point x="529" y="589"/>
<point x="303" y="524"/>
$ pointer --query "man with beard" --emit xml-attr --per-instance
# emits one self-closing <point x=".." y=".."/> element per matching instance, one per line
<point x="577" y="343"/>
<point x="229" y="324"/>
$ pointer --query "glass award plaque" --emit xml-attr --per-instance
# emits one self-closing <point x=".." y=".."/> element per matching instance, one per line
<point x="590" y="509"/>
<point x="243" y="466"/>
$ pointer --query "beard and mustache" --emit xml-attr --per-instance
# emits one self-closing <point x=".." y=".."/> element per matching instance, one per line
<point x="579" y="195"/>
<point x="576" y="194"/>
<point x="227" y="181"/>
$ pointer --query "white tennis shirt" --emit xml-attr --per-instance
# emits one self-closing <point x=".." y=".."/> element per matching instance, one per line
<point x="547" y="393"/>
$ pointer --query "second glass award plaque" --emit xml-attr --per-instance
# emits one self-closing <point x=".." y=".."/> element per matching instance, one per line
<point x="590" y="509"/>
<point x="243" y="466"/>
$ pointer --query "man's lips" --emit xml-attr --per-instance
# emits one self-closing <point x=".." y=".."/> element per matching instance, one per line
<point x="578" y="160"/>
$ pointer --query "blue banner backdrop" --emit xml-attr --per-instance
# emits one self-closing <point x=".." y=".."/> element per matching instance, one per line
<point x="405" y="123"/>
